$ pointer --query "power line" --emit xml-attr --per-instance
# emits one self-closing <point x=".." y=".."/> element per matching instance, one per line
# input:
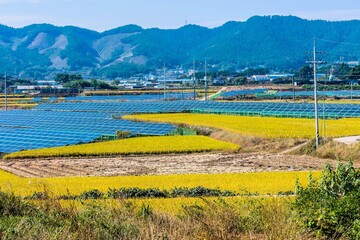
<point x="338" y="42"/>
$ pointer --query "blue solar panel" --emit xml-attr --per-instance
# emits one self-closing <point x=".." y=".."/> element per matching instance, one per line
<point x="134" y="97"/>
<point x="244" y="92"/>
<point x="239" y="108"/>
<point x="25" y="129"/>
<point x="338" y="93"/>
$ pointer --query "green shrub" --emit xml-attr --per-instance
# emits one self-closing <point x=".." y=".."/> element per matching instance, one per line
<point x="200" y="192"/>
<point x="176" y="192"/>
<point x="38" y="196"/>
<point x="330" y="206"/>
<point x="137" y="193"/>
<point x="92" y="194"/>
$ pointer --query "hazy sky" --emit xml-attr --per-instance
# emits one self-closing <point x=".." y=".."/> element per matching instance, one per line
<point x="102" y="15"/>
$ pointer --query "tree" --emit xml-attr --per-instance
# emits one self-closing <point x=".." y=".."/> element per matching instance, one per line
<point x="342" y="71"/>
<point x="240" y="80"/>
<point x="354" y="73"/>
<point x="65" y="77"/>
<point x="330" y="206"/>
<point x="306" y="72"/>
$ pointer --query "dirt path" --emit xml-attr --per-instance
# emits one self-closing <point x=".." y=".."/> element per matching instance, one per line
<point x="163" y="164"/>
<point x="209" y="97"/>
<point x="348" y="140"/>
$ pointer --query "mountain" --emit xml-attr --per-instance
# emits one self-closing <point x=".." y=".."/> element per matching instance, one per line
<point x="278" y="42"/>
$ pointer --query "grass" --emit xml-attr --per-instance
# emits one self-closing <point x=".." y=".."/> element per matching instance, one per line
<point x="142" y="145"/>
<point x="267" y="127"/>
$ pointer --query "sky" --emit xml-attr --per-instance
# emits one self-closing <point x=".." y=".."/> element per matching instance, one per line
<point x="101" y="15"/>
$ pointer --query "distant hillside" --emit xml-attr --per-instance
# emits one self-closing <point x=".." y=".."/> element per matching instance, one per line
<point x="273" y="41"/>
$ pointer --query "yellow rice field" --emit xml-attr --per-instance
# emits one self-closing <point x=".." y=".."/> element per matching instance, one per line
<point x="260" y="182"/>
<point x="268" y="127"/>
<point x="142" y="145"/>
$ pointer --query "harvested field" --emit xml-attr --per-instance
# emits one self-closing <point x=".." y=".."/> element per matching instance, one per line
<point x="164" y="164"/>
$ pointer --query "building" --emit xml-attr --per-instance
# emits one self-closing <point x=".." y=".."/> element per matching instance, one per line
<point x="260" y="78"/>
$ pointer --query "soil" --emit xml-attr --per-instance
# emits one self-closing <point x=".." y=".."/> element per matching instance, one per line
<point x="164" y="164"/>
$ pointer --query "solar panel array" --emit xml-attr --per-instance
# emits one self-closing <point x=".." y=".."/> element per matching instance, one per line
<point x="135" y="97"/>
<point x="57" y="124"/>
<point x="24" y="129"/>
<point x="244" y="92"/>
<point x="279" y="94"/>
<point x="123" y="107"/>
<point x="342" y="93"/>
<point x="234" y="108"/>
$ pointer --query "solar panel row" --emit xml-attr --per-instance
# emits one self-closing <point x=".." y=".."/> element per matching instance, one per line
<point x="235" y="93"/>
<point x="135" y="97"/>
<point x="237" y="108"/>
<point x="339" y="93"/>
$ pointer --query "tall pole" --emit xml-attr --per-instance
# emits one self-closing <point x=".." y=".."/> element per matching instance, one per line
<point x="324" y="119"/>
<point x="194" y="78"/>
<point x="164" y="83"/>
<point x="293" y="87"/>
<point x="316" y="100"/>
<point x="206" y="82"/>
<point x="315" y="62"/>
<point x="5" y="92"/>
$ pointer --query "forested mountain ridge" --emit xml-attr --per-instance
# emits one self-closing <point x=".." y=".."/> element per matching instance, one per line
<point x="273" y="41"/>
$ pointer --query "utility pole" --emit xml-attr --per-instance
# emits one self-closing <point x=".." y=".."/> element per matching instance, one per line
<point x="6" y="92"/>
<point x="293" y="87"/>
<point x="206" y="82"/>
<point x="165" y="97"/>
<point x="194" y="79"/>
<point x="324" y="120"/>
<point x="315" y="62"/>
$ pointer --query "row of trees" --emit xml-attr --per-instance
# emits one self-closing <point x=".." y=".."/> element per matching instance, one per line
<point x="77" y="81"/>
<point x="340" y="71"/>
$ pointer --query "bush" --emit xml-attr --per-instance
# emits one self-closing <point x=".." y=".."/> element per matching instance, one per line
<point x="176" y="192"/>
<point x="92" y="194"/>
<point x="330" y="206"/>
<point x="200" y="192"/>
<point x="38" y="196"/>
<point x="137" y="193"/>
<point x="11" y="205"/>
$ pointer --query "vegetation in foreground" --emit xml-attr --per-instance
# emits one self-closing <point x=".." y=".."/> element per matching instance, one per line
<point x="259" y="126"/>
<point x="214" y="219"/>
<point x="142" y="145"/>
<point x="328" y="208"/>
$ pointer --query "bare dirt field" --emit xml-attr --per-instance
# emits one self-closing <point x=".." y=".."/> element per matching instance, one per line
<point x="164" y="164"/>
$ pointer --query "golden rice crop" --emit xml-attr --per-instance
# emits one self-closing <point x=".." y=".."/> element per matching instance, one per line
<point x="19" y="104"/>
<point x="259" y="182"/>
<point x="2" y="99"/>
<point x="142" y="145"/>
<point x="269" y="127"/>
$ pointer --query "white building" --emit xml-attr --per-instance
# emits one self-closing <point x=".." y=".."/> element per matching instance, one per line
<point x="260" y="78"/>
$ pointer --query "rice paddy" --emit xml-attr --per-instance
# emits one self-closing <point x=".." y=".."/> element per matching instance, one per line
<point x="267" y="127"/>
<point x="143" y="145"/>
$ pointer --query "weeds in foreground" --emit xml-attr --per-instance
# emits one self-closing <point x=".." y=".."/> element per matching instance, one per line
<point x="214" y="219"/>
